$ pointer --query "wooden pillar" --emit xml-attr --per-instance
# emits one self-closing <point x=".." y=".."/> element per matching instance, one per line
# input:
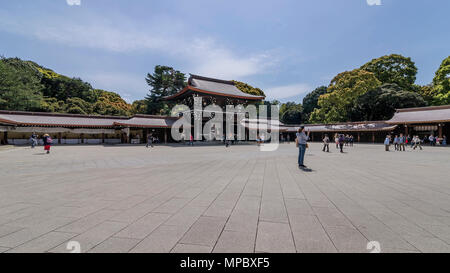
<point x="59" y="138"/>
<point x="406" y="130"/>
<point x="359" y="137"/>
<point x="165" y="135"/>
<point x="373" y="137"/>
<point x="82" y="138"/>
<point x="440" y="130"/>
<point x="5" y="136"/>
<point x="103" y="138"/>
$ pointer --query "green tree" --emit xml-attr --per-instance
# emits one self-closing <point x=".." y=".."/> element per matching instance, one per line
<point x="20" y="87"/>
<point x="247" y="88"/>
<point x="441" y="83"/>
<point x="25" y="85"/>
<point x="394" y="69"/>
<point x="341" y="95"/>
<point x="110" y="103"/>
<point x="63" y="88"/>
<point x="291" y="113"/>
<point x="310" y="102"/>
<point x="427" y="92"/>
<point x="269" y="104"/>
<point x="78" y="106"/>
<point x="382" y="102"/>
<point x="164" y="81"/>
<point x="139" y="107"/>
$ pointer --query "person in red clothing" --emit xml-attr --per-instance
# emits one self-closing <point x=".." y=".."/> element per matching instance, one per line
<point x="47" y="143"/>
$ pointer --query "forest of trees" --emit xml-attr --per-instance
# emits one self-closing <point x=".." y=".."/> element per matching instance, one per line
<point x="375" y="90"/>
<point x="27" y="86"/>
<point x="371" y="92"/>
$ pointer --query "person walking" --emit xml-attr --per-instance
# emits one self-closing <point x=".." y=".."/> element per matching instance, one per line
<point x="191" y="140"/>
<point x="387" y="142"/>
<point x="149" y="140"/>
<point x="396" y="143"/>
<point x="336" y="140"/>
<point x="326" y="143"/>
<point x="301" y="142"/>
<point x="288" y="139"/>
<point x="33" y="140"/>
<point x="47" y="143"/>
<point x="444" y="141"/>
<point x="352" y="139"/>
<point x="401" y="143"/>
<point x="417" y="142"/>
<point x="341" y="140"/>
<point x="229" y="139"/>
<point x="431" y="140"/>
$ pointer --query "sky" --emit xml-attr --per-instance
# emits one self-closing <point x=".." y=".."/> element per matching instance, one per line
<point x="285" y="47"/>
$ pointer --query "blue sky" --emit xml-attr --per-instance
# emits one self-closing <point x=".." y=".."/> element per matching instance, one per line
<point x="285" y="47"/>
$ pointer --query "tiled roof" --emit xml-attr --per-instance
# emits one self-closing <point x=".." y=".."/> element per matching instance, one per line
<point x="83" y="121"/>
<point x="147" y="121"/>
<point x="347" y="127"/>
<point x="264" y="124"/>
<point x="421" y="115"/>
<point x="216" y="87"/>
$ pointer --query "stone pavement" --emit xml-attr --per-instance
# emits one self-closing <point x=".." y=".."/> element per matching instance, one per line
<point x="214" y="199"/>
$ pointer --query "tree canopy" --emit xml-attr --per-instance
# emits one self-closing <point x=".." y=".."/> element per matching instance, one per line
<point x="27" y="86"/>
<point x="382" y="102"/>
<point x="20" y="86"/>
<point x="164" y="81"/>
<point x="247" y="88"/>
<point x="310" y="102"/>
<point x="441" y="82"/>
<point x="343" y="91"/>
<point x="393" y="68"/>
<point x="291" y="113"/>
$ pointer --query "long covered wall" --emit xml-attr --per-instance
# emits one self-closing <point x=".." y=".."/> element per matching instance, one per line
<point x="17" y="127"/>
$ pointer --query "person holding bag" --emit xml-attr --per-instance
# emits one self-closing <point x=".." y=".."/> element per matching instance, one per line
<point x="301" y="143"/>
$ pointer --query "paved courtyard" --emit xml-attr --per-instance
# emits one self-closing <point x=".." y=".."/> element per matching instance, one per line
<point x="213" y="199"/>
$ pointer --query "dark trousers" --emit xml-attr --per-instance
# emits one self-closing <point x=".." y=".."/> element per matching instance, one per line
<point x="341" y="146"/>
<point x="326" y="146"/>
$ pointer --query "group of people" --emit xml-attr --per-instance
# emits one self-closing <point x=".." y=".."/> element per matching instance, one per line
<point x="400" y="142"/>
<point x="302" y="138"/>
<point x="340" y="140"/>
<point x="46" y="139"/>
<point x="434" y="140"/>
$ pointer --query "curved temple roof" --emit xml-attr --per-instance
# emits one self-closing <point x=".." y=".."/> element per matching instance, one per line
<point x="215" y="87"/>
<point x="421" y="115"/>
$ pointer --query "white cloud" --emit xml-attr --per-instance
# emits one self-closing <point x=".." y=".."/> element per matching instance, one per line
<point x="374" y="2"/>
<point x="73" y="2"/>
<point x="201" y="55"/>
<point x="210" y="59"/>
<point x="287" y="91"/>
<point x="167" y="37"/>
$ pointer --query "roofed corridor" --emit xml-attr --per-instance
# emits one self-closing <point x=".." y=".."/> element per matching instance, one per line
<point x="213" y="199"/>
